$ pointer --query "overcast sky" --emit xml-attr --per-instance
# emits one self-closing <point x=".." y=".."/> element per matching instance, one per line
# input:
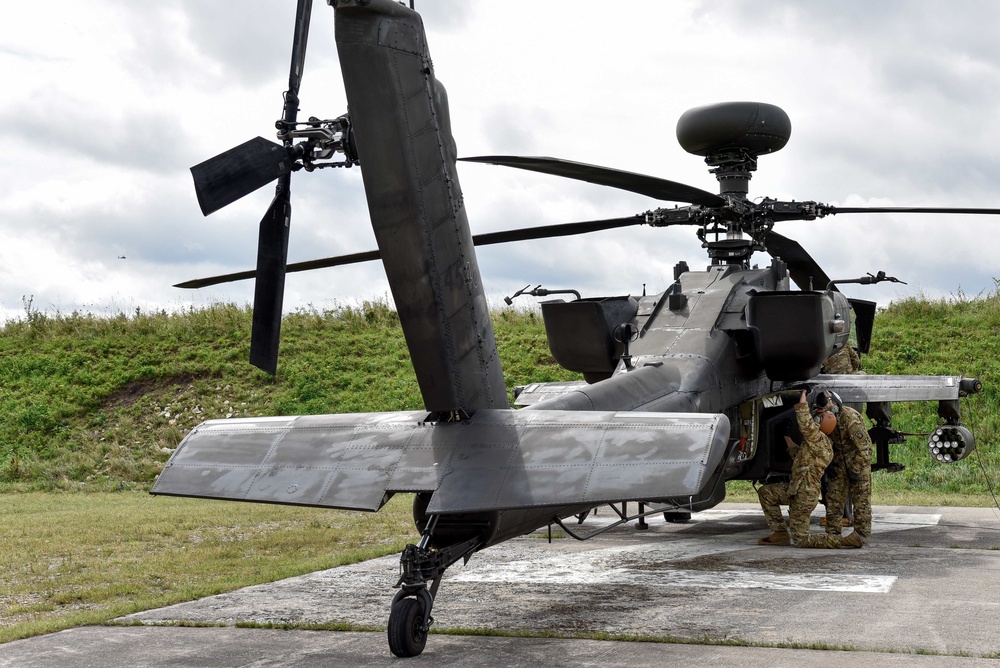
<point x="107" y="103"/>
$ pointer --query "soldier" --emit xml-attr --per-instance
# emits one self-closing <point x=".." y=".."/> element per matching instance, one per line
<point x="772" y="496"/>
<point x="801" y="494"/>
<point x="843" y="361"/>
<point x="850" y="472"/>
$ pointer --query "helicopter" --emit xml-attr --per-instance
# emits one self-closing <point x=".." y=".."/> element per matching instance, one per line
<point x="682" y="390"/>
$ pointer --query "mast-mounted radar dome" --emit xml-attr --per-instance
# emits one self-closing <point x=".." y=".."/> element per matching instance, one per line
<point x="753" y="127"/>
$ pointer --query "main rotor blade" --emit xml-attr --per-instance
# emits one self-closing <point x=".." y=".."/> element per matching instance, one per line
<point x="485" y="239"/>
<point x="651" y="186"/>
<point x="323" y="263"/>
<point x="558" y="230"/>
<point x="802" y="268"/>
<point x="272" y="255"/>
<point x="834" y="210"/>
<point x="222" y="180"/>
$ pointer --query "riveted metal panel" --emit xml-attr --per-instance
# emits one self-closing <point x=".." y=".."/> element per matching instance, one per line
<point x="538" y="392"/>
<point x="860" y="388"/>
<point x="407" y="153"/>
<point x="568" y="457"/>
<point x="338" y="461"/>
<point x="499" y="459"/>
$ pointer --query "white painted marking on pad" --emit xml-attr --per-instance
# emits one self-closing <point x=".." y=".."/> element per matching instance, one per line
<point x="578" y="570"/>
<point x="888" y="522"/>
<point x="637" y="564"/>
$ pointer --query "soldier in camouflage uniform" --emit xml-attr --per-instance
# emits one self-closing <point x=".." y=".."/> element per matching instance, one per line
<point x="850" y="473"/>
<point x="772" y="496"/>
<point x="843" y="361"/>
<point x="809" y="460"/>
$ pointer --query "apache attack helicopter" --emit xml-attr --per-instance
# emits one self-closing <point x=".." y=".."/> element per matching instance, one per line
<point x="682" y="390"/>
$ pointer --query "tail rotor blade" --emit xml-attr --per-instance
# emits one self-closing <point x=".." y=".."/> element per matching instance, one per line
<point x="222" y="180"/>
<point x="300" y="39"/>
<point x="272" y="254"/>
<point x="272" y="246"/>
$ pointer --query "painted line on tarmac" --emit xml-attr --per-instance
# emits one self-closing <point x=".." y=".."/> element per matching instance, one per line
<point x="654" y="563"/>
<point x="567" y="572"/>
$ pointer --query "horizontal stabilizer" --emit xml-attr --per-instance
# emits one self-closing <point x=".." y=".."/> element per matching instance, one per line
<point x="862" y="388"/>
<point x="499" y="459"/>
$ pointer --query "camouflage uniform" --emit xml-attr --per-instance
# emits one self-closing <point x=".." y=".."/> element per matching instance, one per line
<point x="809" y="460"/>
<point x="843" y="361"/>
<point x="772" y="496"/>
<point x="851" y="472"/>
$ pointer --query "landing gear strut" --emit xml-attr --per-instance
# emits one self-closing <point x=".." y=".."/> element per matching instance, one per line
<point x="421" y="568"/>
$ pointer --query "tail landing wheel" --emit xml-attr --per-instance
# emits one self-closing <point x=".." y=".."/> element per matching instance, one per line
<point x="421" y="569"/>
<point x="407" y="629"/>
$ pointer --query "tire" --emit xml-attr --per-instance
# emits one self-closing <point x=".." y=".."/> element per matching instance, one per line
<point x="406" y="638"/>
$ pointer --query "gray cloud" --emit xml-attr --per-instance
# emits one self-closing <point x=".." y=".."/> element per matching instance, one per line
<point x="893" y="102"/>
<point x="139" y="139"/>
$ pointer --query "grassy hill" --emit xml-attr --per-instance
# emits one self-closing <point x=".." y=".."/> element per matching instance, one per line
<point x="98" y="404"/>
<point x="955" y="336"/>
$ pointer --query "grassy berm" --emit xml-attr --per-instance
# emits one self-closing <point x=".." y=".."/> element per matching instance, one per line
<point x="91" y="408"/>
<point x="98" y="404"/>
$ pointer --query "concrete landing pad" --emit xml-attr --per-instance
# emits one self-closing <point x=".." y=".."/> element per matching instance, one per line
<point x="171" y="647"/>
<point x="929" y="581"/>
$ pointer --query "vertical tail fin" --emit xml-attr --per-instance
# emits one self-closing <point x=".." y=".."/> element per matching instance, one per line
<point x="400" y="115"/>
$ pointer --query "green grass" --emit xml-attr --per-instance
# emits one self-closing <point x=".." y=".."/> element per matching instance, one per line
<point x="946" y="336"/>
<point x="73" y="559"/>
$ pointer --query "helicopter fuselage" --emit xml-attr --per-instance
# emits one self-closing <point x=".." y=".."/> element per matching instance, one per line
<point x="690" y="354"/>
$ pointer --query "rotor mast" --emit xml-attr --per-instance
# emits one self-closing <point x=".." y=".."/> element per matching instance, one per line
<point x="729" y="137"/>
<point x="733" y="170"/>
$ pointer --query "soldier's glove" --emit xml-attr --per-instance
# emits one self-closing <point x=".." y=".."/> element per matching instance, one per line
<point x="853" y="477"/>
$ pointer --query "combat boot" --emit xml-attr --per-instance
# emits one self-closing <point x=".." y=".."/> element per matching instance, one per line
<point x="854" y="539"/>
<point x="776" y="538"/>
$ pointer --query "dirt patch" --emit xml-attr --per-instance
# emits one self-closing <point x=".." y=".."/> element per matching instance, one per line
<point x="135" y="390"/>
<point x="706" y="563"/>
<point x="837" y="560"/>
